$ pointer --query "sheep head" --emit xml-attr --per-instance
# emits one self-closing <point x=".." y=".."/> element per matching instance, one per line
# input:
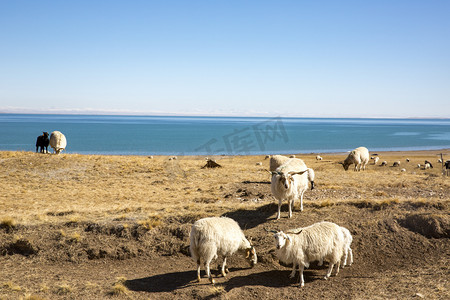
<point x="281" y="239"/>
<point x="287" y="179"/>
<point x="251" y="256"/>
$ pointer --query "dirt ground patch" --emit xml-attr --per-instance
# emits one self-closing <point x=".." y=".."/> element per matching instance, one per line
<point x="114" y="228"/>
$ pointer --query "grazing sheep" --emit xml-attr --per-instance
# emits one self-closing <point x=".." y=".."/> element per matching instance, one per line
<point x="215" y="236"/>
<point x="375" y="160"/>
<point x="407" y="160"/>
<point x="292" y="156"/>
<point x="418" y="165"/>
<point x="403" y="170"/>
<point x="427" y="162"/>
<point x="427" y="166"/>
<point x="359" y="157"/>
<point x="267" y="156"/>
<point x="318" y="157"/>
<point x="276" y="161"/>
<point x="439" y="161"/>
<point x="58" y="141"/>
<point x="396" y="164"/>
<point x="323" y="241"/>
<point x="42" y="142"/>
<point x="383" y="163"/>
<point x="150" y="157"/>
<point x="259" y="163"/>
<point x="289" y="182"/>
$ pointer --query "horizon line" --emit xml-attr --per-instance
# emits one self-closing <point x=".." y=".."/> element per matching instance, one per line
<point x="100" y="112"/>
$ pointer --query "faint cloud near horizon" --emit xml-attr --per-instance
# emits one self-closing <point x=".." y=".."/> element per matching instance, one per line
<point x="203" y="113"/>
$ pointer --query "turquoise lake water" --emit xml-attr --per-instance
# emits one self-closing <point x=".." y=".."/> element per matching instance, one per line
<point x="162" y="135"/>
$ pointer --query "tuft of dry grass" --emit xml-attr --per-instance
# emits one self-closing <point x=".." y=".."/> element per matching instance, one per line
<point x="11" y="286"/>
<point x="151" y="222"/>
<point x="33" y="297"/>
<point x="7" y="222"/>
<point x="217" y="290"/>
<point x="327" y="203"/>
<point x="119" y="288"/>
<point x="63" y="289"/>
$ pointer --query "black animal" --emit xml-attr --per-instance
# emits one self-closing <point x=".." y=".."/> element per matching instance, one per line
<point x="427" y="162"/>
<point x="42" y="142"/>
<point x="447" y="166"/>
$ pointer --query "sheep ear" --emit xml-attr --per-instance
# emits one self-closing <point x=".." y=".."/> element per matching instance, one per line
<point x="297" y="173"/>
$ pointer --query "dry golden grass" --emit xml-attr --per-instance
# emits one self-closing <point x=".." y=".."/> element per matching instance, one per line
<point x="119" y="288"/>
<point x="72" y="188"/>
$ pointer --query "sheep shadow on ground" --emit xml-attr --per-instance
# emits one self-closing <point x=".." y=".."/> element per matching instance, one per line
<point x="273" y="278"/>
<point x="162" y="282"/>
<point x="248" y="219"/>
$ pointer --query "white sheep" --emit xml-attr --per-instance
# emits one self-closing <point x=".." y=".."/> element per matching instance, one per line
<point x="383" y="163"/>
<point x="215" y="236"/>
<point x="292" y="156"/>
<point x="318" y="157"/>
<point x="427" y="166"/>
<point x="323" y="241"/>
<point x="58" y="141"/>
<point x="396" y="163"/>
<point x="418" y="166"/>
<point x="407" y="160"/>
<point x="290" y="181"/>
<point x="403" y="170"/>
<point x="359" y="157"/>
<point x="276" y="161"/>
<point x="375" y="160"/>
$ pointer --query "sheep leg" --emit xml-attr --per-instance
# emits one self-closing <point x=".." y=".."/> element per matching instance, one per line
<point x="208" y="271"/>
<point x="301" y="200"/>
<point x="330" y="269"/>
<point x="350" y="254"/>
<point x="279" y="209"/>
<point x="290" y="204"/>
<point x="345" y="258"/>
<point x="224" y="273"/>
<point x="302" y="281"/>
<point x="294" y="266"/>
<point x="337" y="267"/>
<point x="198" y="270"/>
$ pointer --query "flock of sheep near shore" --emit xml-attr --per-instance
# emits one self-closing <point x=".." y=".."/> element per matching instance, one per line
<point x="323" y="241"/>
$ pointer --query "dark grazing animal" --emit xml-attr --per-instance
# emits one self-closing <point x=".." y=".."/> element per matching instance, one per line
<point x="42" y="142"/>
<point x="427" y="162"/>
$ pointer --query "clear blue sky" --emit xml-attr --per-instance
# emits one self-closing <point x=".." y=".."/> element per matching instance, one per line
<point x="276" y="58"/>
